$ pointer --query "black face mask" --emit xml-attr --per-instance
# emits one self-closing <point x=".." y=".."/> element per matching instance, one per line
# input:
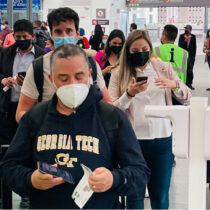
<point x="139" y="58"/>
<point x="116" y="49"/>
<point x="186" y="32"/>
<point x="23" y="44"/>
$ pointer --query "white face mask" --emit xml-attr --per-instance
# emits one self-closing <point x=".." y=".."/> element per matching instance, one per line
<point x="73" y="95"/>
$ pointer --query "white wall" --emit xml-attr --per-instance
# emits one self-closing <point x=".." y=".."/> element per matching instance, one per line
<point x="87" y="12"/>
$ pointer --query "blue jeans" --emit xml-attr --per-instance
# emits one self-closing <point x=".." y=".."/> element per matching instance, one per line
<point x="159" y="157"/>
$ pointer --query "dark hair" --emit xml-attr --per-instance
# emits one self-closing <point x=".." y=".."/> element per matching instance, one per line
<point x="38" y="23"/>
<point x="115" y="33"/>
<point x="6" y="22"/>
<point x="23" y="25"/>
<point x="207" y="34"/>
<point x="98" y="33"/>
<point x="62" y="14"/>
<point x="170" y="31"/>
<point x="133" y="25"/>
<point x="51" y="41"/>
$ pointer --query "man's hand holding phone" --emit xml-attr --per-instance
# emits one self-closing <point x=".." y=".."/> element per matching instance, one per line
<point x="20" y="78"/>
<point x="43" y="181"/>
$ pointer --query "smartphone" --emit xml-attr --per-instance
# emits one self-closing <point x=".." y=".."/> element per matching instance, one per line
<point x="22" y="73"/>
<point x="139" y="79"/>
<point x="55" y="171"/>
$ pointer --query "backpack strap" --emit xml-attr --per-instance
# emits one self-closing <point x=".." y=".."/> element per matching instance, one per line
<point x="37" y="116"/>
<point x="110" y="121"/>
<point x="38" y="75"/>
<point x="94" y="69"/>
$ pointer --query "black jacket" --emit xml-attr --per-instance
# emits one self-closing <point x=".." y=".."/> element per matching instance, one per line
<point x="7" y="57"/>
<point x="95" y="42"/>
<point x="192" y="46"/>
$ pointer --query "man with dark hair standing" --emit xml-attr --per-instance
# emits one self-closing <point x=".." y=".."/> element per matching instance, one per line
<point x="64" y="27"/>
<point x="133" y="26"/>
<point x="14" y="62"/>
<point x="187" y="41"/>
<point x="169" y="52"/>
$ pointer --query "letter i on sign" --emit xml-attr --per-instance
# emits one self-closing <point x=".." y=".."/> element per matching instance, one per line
<point x="172" y="55"/>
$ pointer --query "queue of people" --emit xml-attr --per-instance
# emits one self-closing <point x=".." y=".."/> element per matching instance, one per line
<point x="81" y="110"/>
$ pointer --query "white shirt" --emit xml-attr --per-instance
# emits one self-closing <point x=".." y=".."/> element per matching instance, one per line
<point x="21" y="64"/>
<point x="147" y="128"/>
<point x="150" y="128"/>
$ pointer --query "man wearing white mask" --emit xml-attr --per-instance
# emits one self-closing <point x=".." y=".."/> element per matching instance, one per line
<point x="64" y="27"/>
<point x="72" y="133"/>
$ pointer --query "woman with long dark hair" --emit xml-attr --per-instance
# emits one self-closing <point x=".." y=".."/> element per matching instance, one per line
<point x="109" y="57"/>
<point x="96" y="39"/>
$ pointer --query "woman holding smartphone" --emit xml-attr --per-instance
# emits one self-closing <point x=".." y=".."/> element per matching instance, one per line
<point x="108" y="58"/>
<point x="154" y="134"/>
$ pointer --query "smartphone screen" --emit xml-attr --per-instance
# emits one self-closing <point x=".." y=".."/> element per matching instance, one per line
<point x="55" y="171"/>
<point x="22" y="73"/>
<point x="139" y="79"/>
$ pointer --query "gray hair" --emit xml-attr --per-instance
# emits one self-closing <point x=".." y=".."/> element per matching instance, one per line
<point x="67" y="51"/>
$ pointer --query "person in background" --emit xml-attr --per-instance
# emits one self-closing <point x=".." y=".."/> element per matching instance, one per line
<point x="49" y="46"/>
<point x="40" y="36"/>
<point x="133" y="27"/>
<point x="3" y="33"/>
<point x="170" y="52"/>
<point x="187" y="41"/>
<point x="206" y="50"/>
<point x="84" y="41"/>
<point x="45" y="28"/>
<point x="20" y="54"/>
<point x="131" y="94"/>
<point x="104" y="41"/>
<point x="109" y="57"/>
<point x="96" y="39"/>
<point x="9" y="40"/>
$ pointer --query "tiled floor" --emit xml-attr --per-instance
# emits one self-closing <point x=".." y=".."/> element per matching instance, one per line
<point x="179" y="183"/>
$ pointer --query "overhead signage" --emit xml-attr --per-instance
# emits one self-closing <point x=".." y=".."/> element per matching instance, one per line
<point x="167" y="3"/>
<point x="100" y="13"/>
<point x="100" y="22"/>
<point x="20" y="5"/>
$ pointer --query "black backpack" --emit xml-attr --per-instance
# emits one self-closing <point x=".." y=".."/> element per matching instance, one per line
<point x="41" y="38"/>
<point x="80" y="43"/>
<point x="39" y="74"/>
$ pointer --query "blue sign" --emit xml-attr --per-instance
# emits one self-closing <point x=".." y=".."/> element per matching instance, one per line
<point x="3" y="4"/>
<point x="20" y="5"/>
<point x="36" y="5"/>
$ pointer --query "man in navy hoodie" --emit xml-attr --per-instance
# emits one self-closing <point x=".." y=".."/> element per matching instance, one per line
<point x="72" y="133"/>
